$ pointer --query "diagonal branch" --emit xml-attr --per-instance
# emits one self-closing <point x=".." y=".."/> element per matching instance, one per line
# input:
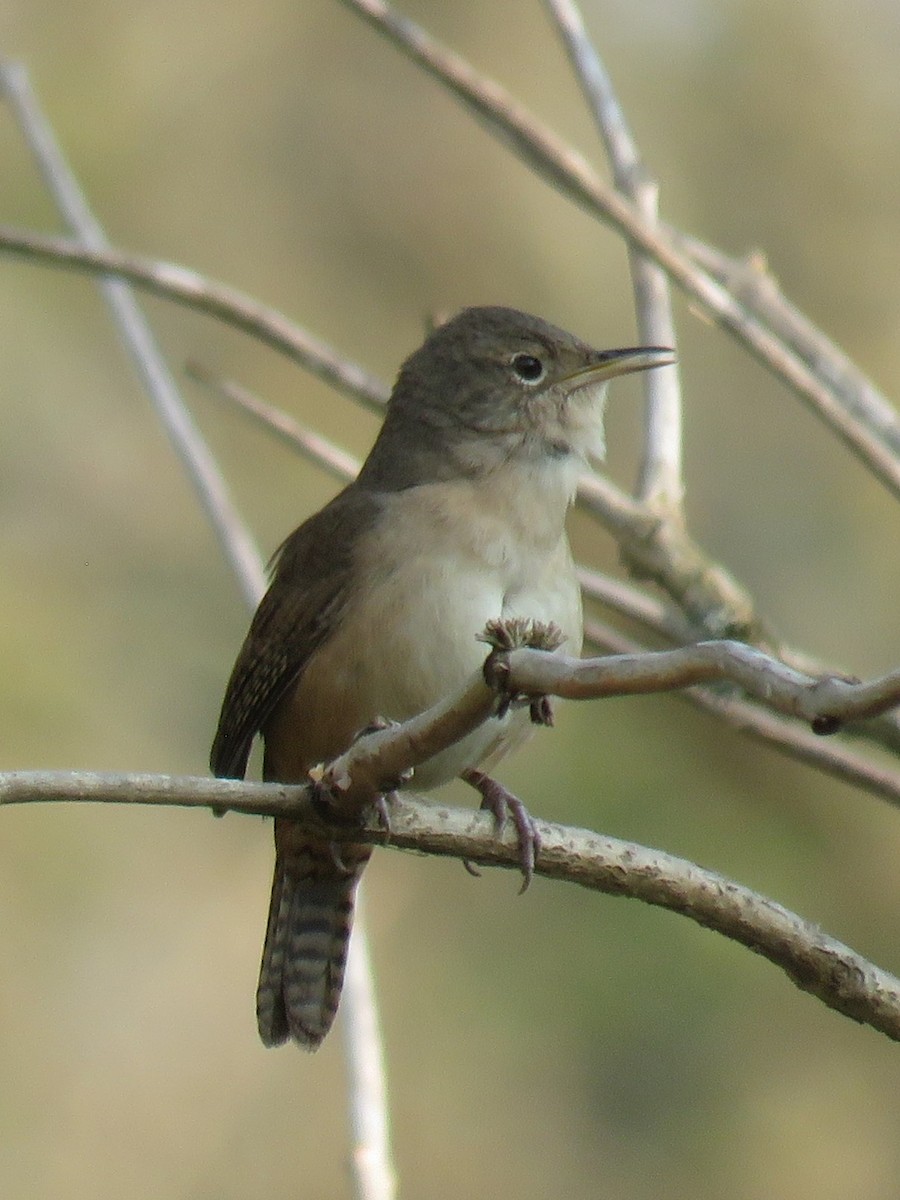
<point x="227" y="304"/>
<point x="201" y="468"/>
<point x="311" y="445"/>
<point x="749" y="279"/>
<point x="822" y="703"/>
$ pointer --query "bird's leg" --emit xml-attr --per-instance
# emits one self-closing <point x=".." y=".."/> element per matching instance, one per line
<point x="497" y="799"/>
<point x="381" y="803"/>
<point x="504" y="635"/>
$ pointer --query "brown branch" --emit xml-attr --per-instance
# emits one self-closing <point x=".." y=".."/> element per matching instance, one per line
<point x="376" y="761"/>
<point x="837" y="975"/>
<point x="662" y="550"/>
<point x="825" y="702"/>
<point x="150" y="365"/>
<point x="226" y="304"/>
<point x="633" y="603"/>
<point x="311" y="445"/>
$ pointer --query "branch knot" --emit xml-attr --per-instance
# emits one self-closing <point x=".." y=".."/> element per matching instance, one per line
<point x="504" y="635"/>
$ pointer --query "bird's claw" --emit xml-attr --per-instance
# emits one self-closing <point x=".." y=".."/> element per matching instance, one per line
<point x="497" y="799"/>
<point x="382" y="806"/>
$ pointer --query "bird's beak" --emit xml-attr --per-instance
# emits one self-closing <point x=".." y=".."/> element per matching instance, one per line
<point x="611" y="363"/>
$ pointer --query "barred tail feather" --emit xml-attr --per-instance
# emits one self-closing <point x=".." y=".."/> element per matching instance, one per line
<point x="308" y="933"/>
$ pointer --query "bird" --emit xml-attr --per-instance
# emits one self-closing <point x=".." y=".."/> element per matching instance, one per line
<point x="376" y="602"/>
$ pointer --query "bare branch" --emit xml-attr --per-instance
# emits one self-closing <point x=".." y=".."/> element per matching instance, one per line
<point x="226" y="304"/>
<point x="662" y="550"/>
<point x="751" y="282"/>
<point x="826" y="703"/>
<point x="567" y="171"/>
<point x="200" y="466"/>
<point x="311" y="445"/>
<point x="630" y="601"/>
<point x="375" y="762"/>
<point x="785" y="734"/>
<point x="371" y="1163"/>
<point x="816" y="963"/>
<point x="660" y="485"/>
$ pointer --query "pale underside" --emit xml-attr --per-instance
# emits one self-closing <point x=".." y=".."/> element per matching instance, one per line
<point x="451" y="557"/>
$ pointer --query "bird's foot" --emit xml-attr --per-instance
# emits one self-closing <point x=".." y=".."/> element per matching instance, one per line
<point x="500" y="801"/>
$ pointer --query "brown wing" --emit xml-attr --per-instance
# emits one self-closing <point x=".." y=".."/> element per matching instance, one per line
<point x="309" y="589"/>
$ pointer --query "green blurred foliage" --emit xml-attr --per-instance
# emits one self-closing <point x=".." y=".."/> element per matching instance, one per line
<point x="563" y="1044"/>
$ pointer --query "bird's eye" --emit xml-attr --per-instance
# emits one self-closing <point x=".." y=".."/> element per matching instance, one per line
<point x="528" y="368"/>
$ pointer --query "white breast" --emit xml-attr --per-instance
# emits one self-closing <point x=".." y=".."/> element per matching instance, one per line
<point x="447" y="559"/>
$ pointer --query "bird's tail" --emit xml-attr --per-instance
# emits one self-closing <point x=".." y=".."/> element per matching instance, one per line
<point x="310" y="915"/>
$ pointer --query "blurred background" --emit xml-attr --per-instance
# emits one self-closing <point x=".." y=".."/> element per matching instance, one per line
<point x="564" y="1043"/>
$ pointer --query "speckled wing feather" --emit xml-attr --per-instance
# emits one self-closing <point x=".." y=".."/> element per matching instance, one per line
<point x="308" y="592"/>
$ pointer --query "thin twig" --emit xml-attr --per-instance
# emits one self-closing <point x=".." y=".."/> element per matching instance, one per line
<point x="831" y="756"/>
<point x="226" y="304"/>
<point x="358" y="776"/>
<point x="663" y="551"/>
<point x="201" y="468"/>
<point x="371" y="1163"/>
<point x="568" y="171"/>
<point x="837" y="975"/>
<point x="660" y="485"/>
<point x="311" y="445"/>
<point x="750" y="281"/>
<point x="634" y="604"/>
